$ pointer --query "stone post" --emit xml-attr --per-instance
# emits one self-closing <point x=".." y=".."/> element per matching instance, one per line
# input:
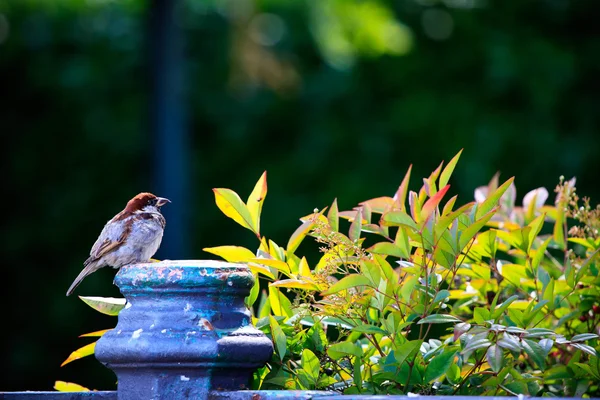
<point x="184" y="331"/>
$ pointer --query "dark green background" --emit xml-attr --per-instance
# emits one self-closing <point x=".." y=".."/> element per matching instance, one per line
<point x="516" y="84"/>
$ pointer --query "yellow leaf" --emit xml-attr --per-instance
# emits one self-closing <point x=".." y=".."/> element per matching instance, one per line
<point x="261" y="269"/>
<point x="95" y="334"/>
<point x="299" y="235"/>
<point x="303" y="268"/>
<point x="231" y="253"/>
<point x="278" y="265"/>
<point x="62" y="386"/>
<point x="232" y="206"/>
<point x="280" y="305"/>
<point x="296" y="284"/>
<point x="256" y="199"/>
<point x="84" y="351"/>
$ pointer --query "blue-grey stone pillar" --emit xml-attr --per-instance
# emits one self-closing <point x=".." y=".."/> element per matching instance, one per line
<point x="184" y="331"/>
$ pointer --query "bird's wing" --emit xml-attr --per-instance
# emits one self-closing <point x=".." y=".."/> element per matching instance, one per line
<point x="112" y="236"/>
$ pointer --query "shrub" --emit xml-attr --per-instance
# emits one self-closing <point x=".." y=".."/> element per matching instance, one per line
<point x="425" y="297"/>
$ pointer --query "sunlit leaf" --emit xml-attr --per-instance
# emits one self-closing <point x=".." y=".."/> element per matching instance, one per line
<point x="395" y="218"/>
<point x="62" y="386"/>
<point x="400" y="196"/>
<point x="105" y="305"/>
<point x="295" y="284"/>
<point x="233" y="207"/>
<point x="256" y="200"/>
<point x="492" y="199"/>
<point x="448" y="169"/>
<point x="350" y="281"/>
<point x="343" y="349"/>
<point x="280" y="304"/>
<point x="84" y="351"/>
<point x="379" y="205"/>
<point x="279" y="339"/>
<point x="431" y="205"/>
<point x="333" y="218"/>
<point x="231" y="253"/>
<point x="495" y="357"/>
<point x="388" y="248"/>
<point x="96" y="333"/>
<point x="299" y="235"/>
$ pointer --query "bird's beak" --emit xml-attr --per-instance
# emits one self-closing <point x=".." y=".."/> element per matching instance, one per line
<point x="161" y="201"/>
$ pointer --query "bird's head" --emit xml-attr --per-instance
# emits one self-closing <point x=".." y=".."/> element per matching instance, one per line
<point x="146" y="202"/>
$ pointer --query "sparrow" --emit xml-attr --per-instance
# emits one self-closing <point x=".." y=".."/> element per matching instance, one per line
<point x="131" y="237"/>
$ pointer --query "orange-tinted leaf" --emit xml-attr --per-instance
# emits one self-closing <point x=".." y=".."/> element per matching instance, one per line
<point x="431" y="204"/>
<point x="84" y="351"/>
<point x="400" y="196"/>
<point x="256" y="200"/>
<point x="62" y="386"/>
<point x="232" y="206"/>
<point x="379" y="205"/>
<point x="231" y="253"/>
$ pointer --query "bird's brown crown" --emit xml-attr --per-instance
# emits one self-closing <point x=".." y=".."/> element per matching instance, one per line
<point x="140" y="201"/>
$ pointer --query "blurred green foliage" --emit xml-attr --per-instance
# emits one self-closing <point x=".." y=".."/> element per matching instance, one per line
<point x="333" y="100"/>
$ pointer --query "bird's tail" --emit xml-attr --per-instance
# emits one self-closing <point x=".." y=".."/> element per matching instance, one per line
<point x="90" y="267"/>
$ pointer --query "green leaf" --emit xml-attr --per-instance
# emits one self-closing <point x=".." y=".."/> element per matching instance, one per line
<point x="439" y="365"/>
<point x="447" y="172"/>
<point x="233" y="207"/>
<point x="299" y="235"/>
<point x="389" y="249"/>
<point x="441" y="295"/>
<point x="495" y="358"/>
<point x="369" y="329"/>
<point x="256" y="200"/>
<point x="310" y="364"/>
<point x="439" y="319"/>
<point x="583" y="337"/>
<point x="251" y="299"/>
<point x="348" y="282"/>
<point x="407" y="351"/>
<point x="84" y="351"/>
<point x="333" y="217"/>
<point x="468" y="233"/>
<point x="498" y="311"/>
<point x="535" y="352"/>
<point x="397" y="218"/>
<point x="344" y="349"/>
<point x="536" y="227"/>
<point x="492" y="200"/>
<point x="279" y="339"/>
<point x="105" y="305"/>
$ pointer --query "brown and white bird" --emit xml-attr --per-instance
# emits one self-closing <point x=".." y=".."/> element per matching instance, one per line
<point x="131" y="237"/>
